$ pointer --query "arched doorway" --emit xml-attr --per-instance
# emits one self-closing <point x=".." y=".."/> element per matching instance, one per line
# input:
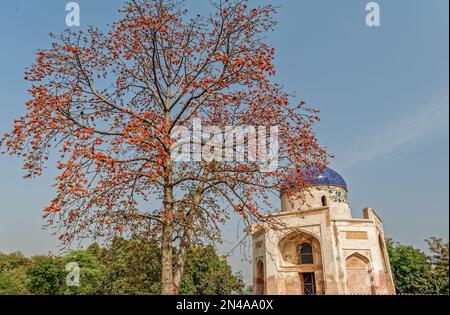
<point x="260" y="286"/>
<point x="301" y="259"/>
<point x="359" y="275"/>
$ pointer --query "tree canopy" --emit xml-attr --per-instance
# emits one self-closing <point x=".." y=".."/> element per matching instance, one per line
<point x="418" y="273"/>
<point x="123" y="267"/>
<point x="109" y="102"/>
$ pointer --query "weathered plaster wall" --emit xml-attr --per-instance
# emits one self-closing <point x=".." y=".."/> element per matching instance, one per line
<point x="339" y="244"/>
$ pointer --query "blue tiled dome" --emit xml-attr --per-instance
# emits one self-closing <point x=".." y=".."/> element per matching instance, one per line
<point x="329" y="177"/>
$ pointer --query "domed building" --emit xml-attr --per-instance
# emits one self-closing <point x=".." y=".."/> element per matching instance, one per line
<point x="314" y="246"/>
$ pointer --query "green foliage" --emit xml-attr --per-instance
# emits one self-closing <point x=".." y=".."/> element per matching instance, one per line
<point x="132" y="267"/>
<point x="92" y="273"/>
<point x="124" y="267"/>
<point x="208" y="274"/>
<point x="439" y="262"/>
<point x="13" y="261"/>
<point x="13" y="274"/>
<point x="45" y="277"/>
<point x="415" y="272"/>
<point x="13" y="282"/>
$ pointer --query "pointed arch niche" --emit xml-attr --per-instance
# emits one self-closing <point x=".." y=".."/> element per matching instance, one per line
<point x="301" y="262"/>
<point x="359" y="275"/>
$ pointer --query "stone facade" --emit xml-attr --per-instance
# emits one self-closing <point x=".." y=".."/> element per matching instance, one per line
<point x="315" y="246"/>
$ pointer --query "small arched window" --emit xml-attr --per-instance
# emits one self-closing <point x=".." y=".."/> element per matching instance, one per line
<point x="324" y="201"/>
<point x="306" y="254"/>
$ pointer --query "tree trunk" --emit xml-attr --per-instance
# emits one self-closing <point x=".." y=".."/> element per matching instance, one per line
<point x="181" y="259"/>
<point x="185" y="243"/>
<point x="167" y="285"/>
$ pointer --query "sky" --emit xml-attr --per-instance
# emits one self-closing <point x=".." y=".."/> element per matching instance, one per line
<point x="383" y="95"/>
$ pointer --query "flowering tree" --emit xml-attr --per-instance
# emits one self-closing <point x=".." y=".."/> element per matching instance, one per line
<point x="109" y="103"/>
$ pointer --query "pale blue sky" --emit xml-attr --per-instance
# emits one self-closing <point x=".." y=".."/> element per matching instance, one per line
<point x="383" y="94"/>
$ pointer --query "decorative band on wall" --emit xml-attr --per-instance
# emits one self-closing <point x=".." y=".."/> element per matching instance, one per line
<point x="357" y="235"/>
